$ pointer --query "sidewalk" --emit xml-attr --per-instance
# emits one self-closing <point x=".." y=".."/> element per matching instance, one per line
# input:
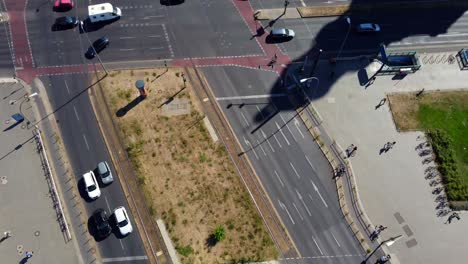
<point x="391" y="186"/>
<point x="27" y="208"/>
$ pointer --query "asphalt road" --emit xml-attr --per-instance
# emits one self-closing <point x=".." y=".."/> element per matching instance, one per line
<point x="6" y="63"/>
<point x="289" y="163"/>
<point x="427" y="30"/>
<point x="85" y="147"/>
<point x="147" y="30"/>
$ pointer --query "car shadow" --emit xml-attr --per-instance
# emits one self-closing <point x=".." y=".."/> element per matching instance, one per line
<point x="171" y="2"/>
<point x="93" y="231"/>
<point x="88" y="26"/>
<point x="272" y="40"/>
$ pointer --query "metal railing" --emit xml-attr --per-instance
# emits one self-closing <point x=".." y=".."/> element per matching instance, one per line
<point x="52" y="187"/>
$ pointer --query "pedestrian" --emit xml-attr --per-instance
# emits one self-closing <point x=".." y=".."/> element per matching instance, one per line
<point x="275" y="57"/>
<point x="449" y="220"/>
<point x="29" y="254"/>
<point x="382" y="102"/>
<point x="6" y="234"/>
<point x="390" y="145"/>
<point x="384" y="259"/>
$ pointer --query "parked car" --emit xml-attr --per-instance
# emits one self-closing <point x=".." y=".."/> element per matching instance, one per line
<point x="101" y="223"/>
<point x="282" y="33"/>
<point x="368" y="28"/>
<point x="66" y="22"/>
<point x="123" y="221"/>
<point x="97" y="47"/>
<point x="91" y="185"/>
<point x="104" y="172"/>
<point x="63" y="5"/>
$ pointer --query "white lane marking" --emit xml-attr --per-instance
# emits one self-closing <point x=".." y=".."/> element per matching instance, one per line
<point x="148" y="17"/>
<point x="335" y="239"/>
<point x="86" y="141"/>
<point x="124" y="258"/>
<point x="317" y="246"/>
<point x="310" y="163"/>
<point x="127" y="37"/>
<point x="155" y="36"/>
<point x="284" y="208"/>
<point x="302" y="3"/>
<point x="303" y="203"/>
<point x="298" y="212"/>
<point x="258" y="109"/>
<point x="310" y="196"/>
<point x="288" y="128"/>
<point x="250" y="146"/>
<point x="279" y="179"/>
<point x="277" y="141"/>
<point x="268" y="141"/>
<point x="126" y="49"/>
<point x="250" y="96"/>
<point x="156" y="48"/>
<point x="297" y="126"/>
<point x="258" y="143"/>
<point x="76" y="113"/>
<point x="107" y="203"/>
<point x="316" y="189"/>
<point x="279" y="128"/>
<point x="66" y="85"/>
<point x="295" y="171"/>
<point x="245" y="119"/>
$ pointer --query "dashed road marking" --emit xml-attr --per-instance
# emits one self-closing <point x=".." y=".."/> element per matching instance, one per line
<point x="279" y="179"/>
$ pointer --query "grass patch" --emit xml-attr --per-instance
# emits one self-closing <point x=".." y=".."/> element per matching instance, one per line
<point x="444" y="115"/>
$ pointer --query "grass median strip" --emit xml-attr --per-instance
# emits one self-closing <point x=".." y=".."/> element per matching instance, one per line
<point x="188" y="179"/>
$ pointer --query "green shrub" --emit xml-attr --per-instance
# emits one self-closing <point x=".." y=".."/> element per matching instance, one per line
<point x="219" y="233"/>
<point x="445" y="157"/>
<point x="184" y="251"/>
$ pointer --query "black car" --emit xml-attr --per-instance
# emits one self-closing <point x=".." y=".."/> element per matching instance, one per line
<point x="97" y="47"/>
<point x="101" y="223"/>
<point x="66" y="22"/>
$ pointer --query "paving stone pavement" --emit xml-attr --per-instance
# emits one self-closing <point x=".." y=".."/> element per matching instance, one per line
<point x="26" y="208"/>
<point x="392" y="186"/>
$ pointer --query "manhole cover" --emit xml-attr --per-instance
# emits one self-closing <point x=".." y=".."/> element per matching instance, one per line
<point x="37" y="233"/>
<point x="3" y="180"/>
<point x="19" y="248"/>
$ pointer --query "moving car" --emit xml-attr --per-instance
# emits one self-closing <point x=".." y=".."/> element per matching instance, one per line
<point x="123" y="221"/>
<point x="101" y="223"/>
<point x="103" y="12"/>
<point x="97" y="47"/>
<point x="91" y="185"/>
<point x="282" y="33"/>
<point x="104" y="172"/>
<point x="63" y="5"/>
<point x="368" y="28"/>
<point x="66" y="22"/>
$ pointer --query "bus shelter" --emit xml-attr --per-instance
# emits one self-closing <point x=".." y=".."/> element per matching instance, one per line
<point x="399" y="62"/>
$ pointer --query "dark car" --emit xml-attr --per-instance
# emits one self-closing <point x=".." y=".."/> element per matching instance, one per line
<point x="66" y="22"/>
<point x="101" y="223"/>
<point x="97" y="47"/>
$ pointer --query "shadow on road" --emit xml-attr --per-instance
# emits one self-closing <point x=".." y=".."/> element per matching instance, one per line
<point x="397" y="24"/>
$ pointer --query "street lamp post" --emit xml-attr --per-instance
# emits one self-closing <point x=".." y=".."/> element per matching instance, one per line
<point x="387" y="242"/>
<point x="308" y="81"/>
<point x="348" y="20"/>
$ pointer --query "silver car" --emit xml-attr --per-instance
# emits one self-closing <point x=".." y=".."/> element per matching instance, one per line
<point x="282" y="33"/>
<point x="104" y="172"/>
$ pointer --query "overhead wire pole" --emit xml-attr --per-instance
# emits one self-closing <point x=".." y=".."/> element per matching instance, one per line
<point x="348" y="20"/>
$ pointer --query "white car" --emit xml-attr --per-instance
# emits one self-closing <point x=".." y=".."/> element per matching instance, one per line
<point x="123" y="221"/>
<point x="91" y="185"/>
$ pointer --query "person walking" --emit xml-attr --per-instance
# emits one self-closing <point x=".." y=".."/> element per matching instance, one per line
<point x="29" y="254"/>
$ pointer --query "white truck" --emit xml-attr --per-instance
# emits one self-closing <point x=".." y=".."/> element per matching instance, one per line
<point x="103" y="12"/>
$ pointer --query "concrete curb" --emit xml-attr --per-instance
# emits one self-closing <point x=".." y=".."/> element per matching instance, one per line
<point x="338" y="10"/>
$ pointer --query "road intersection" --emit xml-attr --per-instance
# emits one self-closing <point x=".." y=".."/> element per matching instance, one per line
<point x="230" y="50"/>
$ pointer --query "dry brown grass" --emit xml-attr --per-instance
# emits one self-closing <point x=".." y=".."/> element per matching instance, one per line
<point x="405" y="106"/>
<point x="190" y="181"/>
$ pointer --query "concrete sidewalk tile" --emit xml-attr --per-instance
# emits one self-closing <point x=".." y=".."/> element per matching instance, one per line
<point x="391" y="186"/>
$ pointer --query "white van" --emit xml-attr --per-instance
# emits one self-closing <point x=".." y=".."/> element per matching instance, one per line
<point x="103" y="12"/>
